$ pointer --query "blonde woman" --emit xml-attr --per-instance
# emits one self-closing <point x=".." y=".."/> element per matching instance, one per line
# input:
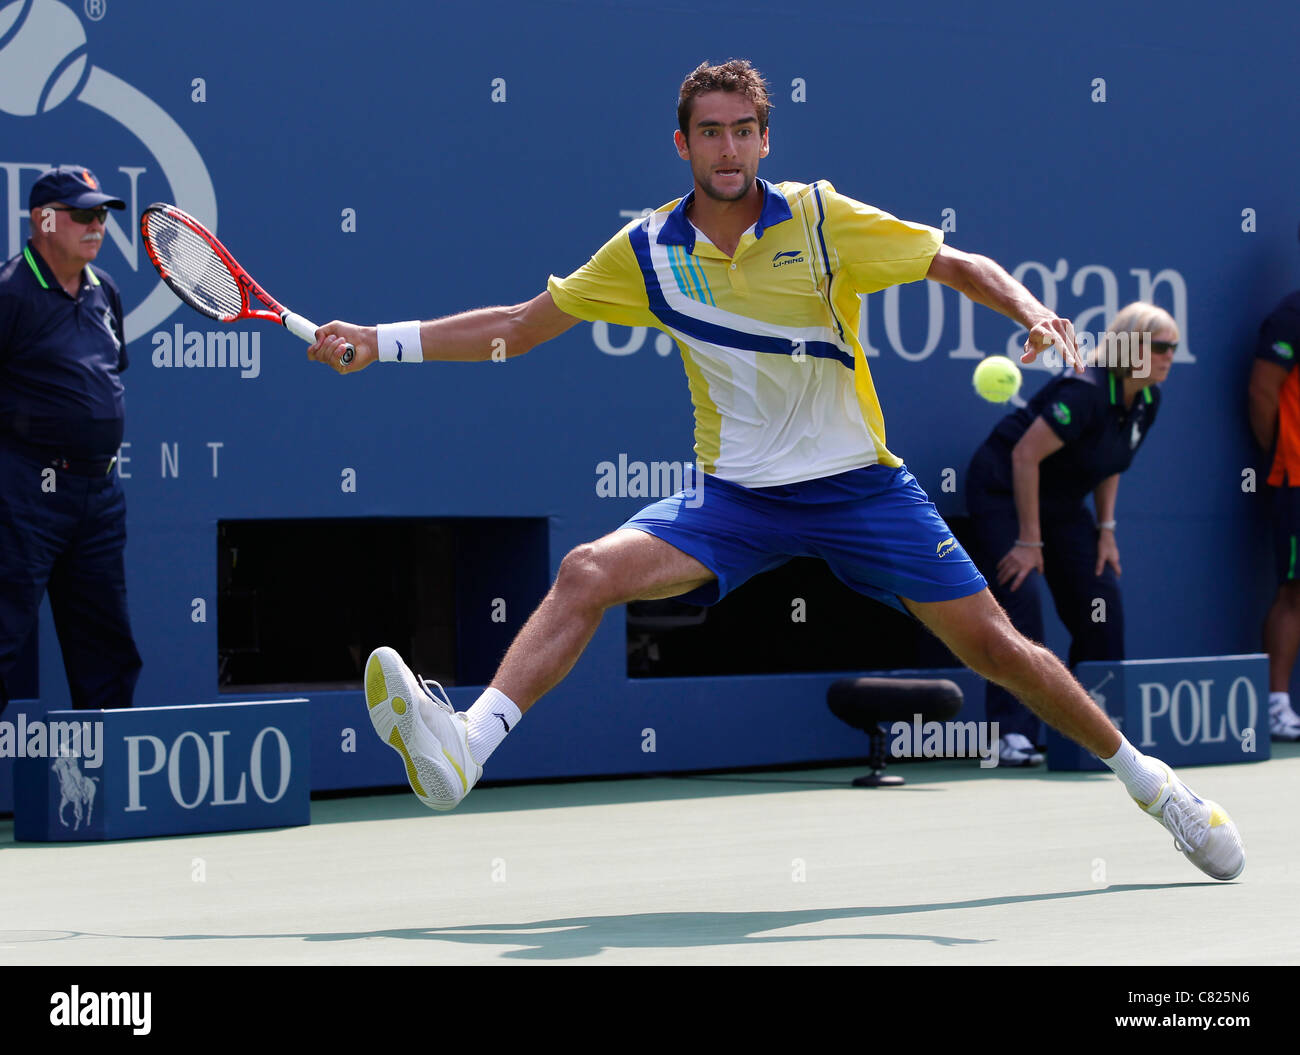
<point x="1026" y="490"/>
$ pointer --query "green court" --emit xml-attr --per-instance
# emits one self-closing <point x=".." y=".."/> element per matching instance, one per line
<point x="961" y="866"/>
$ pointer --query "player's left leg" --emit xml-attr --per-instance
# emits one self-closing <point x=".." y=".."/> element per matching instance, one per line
<point x="978" y="632"/>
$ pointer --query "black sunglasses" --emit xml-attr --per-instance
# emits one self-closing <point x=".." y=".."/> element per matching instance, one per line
<point x="1161" y="347"/>
<point x="83" y="215"/>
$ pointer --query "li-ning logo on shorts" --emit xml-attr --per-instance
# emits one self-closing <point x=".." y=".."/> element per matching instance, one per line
<point x="1061" y="413"/>
<point x="1284" y="350"/>
<point x="946" y="546"/>
<point x="789" y="256"/>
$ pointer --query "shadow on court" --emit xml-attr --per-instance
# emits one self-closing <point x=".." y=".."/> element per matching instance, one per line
<point x="580" y="936"/>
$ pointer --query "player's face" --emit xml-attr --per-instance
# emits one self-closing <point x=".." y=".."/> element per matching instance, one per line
<point x="725" y="145"/>
<point x="63" y="240"/>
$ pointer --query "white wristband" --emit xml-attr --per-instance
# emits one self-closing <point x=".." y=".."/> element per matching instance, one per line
<point x="399" y="342"/>
<point x="1106" y="525"/>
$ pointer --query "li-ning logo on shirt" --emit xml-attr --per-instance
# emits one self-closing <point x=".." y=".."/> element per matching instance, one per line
<point x="1284" y="350"/>
<point x="789" y="256"/>
<point x="946" y="546"/>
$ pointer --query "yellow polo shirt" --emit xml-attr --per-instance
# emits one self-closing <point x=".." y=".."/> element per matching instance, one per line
<point x="768" y="336"/>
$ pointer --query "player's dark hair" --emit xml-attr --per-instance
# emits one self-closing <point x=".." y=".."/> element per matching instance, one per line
<point x="734" y="75"/>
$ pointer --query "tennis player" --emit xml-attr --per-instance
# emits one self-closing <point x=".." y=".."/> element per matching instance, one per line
<point x="758" y="284"/>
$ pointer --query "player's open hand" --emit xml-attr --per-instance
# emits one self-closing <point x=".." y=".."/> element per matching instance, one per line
<point x="333" y="337"/>
<point x="1054" y="331"/>
<point x="1015" y="567"/>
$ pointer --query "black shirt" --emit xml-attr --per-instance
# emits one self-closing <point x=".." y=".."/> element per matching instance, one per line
<point x="1087" y="414"/>
<point x="61" y="359"/>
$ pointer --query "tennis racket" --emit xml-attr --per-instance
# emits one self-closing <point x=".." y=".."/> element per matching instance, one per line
<point x="201" y="271"/>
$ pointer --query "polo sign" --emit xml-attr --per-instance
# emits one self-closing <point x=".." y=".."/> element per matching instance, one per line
<point x="1187" y="712"/>
<point x="170" y="771"/>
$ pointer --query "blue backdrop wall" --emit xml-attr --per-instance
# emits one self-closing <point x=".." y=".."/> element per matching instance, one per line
<point x="413" y="159"/>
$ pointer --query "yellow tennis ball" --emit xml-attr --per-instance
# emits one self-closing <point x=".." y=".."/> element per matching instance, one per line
<point x="997" y="379"/>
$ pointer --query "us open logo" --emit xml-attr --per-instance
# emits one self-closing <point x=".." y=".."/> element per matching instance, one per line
<point x="44" y="63"/>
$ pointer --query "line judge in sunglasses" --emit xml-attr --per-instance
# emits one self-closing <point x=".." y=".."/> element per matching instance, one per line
<point x="62" y="510"/>
<point x="1026" y="490"/>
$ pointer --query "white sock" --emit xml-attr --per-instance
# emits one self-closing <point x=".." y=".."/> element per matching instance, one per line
<point x="1141" y="775"/>
<point x="492" y="716"/>
<point x="1276" y="698"/>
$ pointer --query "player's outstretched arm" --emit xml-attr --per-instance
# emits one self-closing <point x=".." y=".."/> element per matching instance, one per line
<point x="986" y="282"/>
<point x="486" y="333"/>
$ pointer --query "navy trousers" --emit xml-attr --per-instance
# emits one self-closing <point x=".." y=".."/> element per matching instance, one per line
<point x="68" y="541"/>
<point x="1089" y="605"/>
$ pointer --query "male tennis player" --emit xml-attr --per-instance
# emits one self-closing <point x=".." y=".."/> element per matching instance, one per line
<point x="758" y="284"/>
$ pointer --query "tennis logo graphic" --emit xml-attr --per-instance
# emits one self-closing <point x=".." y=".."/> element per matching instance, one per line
<point x="45" y="62"/>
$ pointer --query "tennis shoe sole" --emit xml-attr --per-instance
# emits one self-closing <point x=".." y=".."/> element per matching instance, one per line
<point x="430" y="737"/>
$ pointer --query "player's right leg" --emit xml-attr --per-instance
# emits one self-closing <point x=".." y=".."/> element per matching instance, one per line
<point x="439" y="745"/>
<point x="626" y="565"/>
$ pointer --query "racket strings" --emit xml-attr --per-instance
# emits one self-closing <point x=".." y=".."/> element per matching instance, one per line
<point x="193" y="266"/>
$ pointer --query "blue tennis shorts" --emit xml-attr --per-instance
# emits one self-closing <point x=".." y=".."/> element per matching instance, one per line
<point x="874" y="526"/>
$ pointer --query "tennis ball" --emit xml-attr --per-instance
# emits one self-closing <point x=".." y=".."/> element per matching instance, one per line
<point x="42" y="57"/>
<point x="997" y="379"/>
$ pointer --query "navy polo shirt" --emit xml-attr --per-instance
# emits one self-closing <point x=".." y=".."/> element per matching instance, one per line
<point x="1087" y="414"/>
<point x="61" y="359"/>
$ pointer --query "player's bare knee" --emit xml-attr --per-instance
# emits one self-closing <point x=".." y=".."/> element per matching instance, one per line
<point x="1002" y="653"/>
<point x="583" y="578"/>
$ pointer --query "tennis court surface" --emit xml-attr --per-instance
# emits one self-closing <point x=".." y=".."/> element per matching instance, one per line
<point x="961" y="866"/>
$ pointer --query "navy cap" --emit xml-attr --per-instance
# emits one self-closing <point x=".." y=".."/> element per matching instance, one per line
<point x="75" y="185"/>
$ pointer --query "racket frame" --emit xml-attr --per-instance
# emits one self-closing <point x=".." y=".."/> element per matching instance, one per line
<point x="296" y="324"/>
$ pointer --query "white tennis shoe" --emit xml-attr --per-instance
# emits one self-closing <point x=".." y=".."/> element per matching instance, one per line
<point x="423" y="728"/>
<point x="1202" y="830"/>
<point x="1283" y="722"/>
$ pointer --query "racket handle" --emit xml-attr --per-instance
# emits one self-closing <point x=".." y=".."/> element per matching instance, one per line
<point x="306" y="330"/>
